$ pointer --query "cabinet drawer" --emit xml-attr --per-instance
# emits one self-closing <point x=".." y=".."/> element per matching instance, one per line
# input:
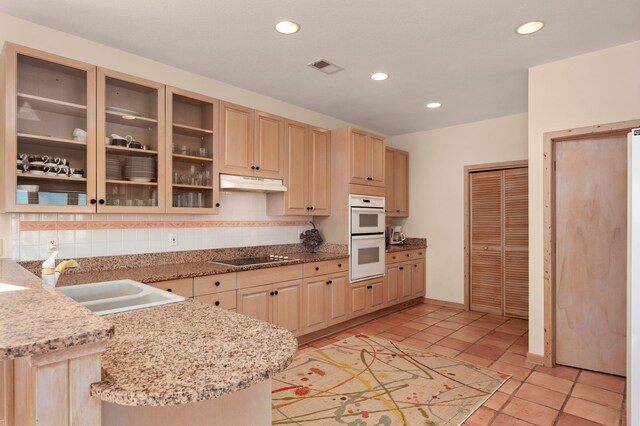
<point x="182" y="287"/>
<point x="339" y="265"/>
<point x="224" y="300"/>
<point x="419" y="254"/>
<point x="278" y="274"/>
<point x="396" y="256"/>
<point x="315" y="269"/>
<point x="214" y="284"/>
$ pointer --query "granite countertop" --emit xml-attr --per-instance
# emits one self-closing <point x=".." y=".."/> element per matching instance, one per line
<point x="188" y="352"/>
<point x="150" y="274"/>
<point x="36" y="319"/>
<point x="409" y="244"/>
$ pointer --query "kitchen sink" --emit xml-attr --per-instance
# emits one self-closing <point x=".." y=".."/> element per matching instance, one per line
<point x="110" y="297"/>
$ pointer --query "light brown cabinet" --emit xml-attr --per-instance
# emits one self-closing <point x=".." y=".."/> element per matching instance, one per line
<point x="405" y="276"/>
<point x="182" y="287"/>
<point x="251" y="142"/>
<point x="366" y="297"/>
<point x="366" y="159"/>
<point x="192" y="160"/>
<point x="308" y="173"/>
<point x="396" y="182"/>
<point x="279" y="304"/>
<point x="325" y="301"/>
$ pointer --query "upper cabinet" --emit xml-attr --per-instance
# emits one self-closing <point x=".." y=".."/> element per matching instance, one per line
<point x="308" y="173"/>
<point x="49" y="132"/>
<point x="192" y="157"/>
<point x="366" y="164"/>
<point x="397" y="182"/>
<point x="251" y="143"/>
<point x="131" y="144"/>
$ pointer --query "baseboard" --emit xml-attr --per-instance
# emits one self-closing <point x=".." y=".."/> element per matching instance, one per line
<point x="317" y="335"/>
<point x="535" y="358"/>
<point x="444" y="303"/>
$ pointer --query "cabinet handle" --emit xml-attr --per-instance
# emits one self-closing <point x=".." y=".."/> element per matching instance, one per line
<point x="330" y="282"/>
<point x="93" y="201"/>
<point x="257" y="167"/>
<point x="217" y="283"/>
<point x="401" y="268"/>
<point x="311" y="207"/>
<point x="408" y="255"/>
<point x="217" y="303"/>
<point x="308" y="208"/>
<point x="317" y="269"/>
<point x="101" y="201"/>
<point x="276" y="292"/>
<point x="272" y="293"/>
<point x="253" y="167"/>
<point x="217" y="204"/>
<point x="394" y="257"/>
<point x="339" y="265"/>
<point x="369" y="286"/>
<point x="169" y="290"/>
<point x="397" y="211"/>
<point x="420" y="253"/>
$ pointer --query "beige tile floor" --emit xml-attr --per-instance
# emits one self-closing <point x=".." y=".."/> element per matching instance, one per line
<point x="534" y="395"/>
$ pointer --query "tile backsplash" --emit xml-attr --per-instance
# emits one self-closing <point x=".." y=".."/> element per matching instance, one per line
<point x="242" y="222"/>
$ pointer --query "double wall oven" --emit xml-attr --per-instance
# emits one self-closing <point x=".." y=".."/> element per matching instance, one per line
<point x="366" y="242"/>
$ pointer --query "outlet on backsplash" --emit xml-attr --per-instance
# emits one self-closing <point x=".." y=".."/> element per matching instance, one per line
<point x="52" y="245"/>
<point x="173" y="239"/>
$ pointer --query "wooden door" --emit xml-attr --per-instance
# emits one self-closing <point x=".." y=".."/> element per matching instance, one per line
<point x="391" y="292"/>
<point x="270" y="157"/>
<point x="376" y="156"/>
<point x="401" y="183"/>
<point x="256" y="302"/>
<point x="319" y="163"/>
<point x="358" y="163"/>
<point x="418" y="279"/>
<point x="297" y="178"/>
<point x="591" y="259"/>
<point x="389" y="195"/>
<point x="358" y="300"/>
<point x="287" y="306"/>
<point x="516" y="242"/>
<point x="236" y="149"/>
<point x="315" y="303"/>
<point x="486" y="242"/>
<point x="337" y="303"/>
<point x="404" y="281"/>
<point x="375" y="296"/>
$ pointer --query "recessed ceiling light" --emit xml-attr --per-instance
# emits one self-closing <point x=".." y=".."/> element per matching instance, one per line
<point x="379" y="76"/>
<point x="434" y="105"/>
<point x="287" y="27"/>
<point x="529" y="27"/>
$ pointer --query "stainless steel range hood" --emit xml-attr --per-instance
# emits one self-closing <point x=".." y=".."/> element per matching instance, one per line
<point x="251" y="184"/>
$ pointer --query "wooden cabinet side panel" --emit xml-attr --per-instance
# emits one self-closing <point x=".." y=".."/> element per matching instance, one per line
<point x="84" y="371"/>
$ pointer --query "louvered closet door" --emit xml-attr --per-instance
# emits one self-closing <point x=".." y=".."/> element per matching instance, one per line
<point x="499" y="242"/>
<point x="516" y="243"/>
<point x="486" y="242"/>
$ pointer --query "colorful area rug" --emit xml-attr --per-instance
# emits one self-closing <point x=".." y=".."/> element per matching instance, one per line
<point x="365" y="380"/>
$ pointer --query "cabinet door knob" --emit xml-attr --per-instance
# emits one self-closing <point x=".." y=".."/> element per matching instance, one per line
<point x="420" y="253"/>
<point x="217" y="303"/>
<point x="272" y="293"/>
<point x="330" y="282"/>
<point x="408" y="255"/>
<point x="308" y="208"/>
<point x="257" y="167"/>
<point x="217" y="283"/>
<point x="101" y="201"/>
<point x="253" y="167"/>
<point x="397" y="211"/>
<point x="93" y="201"/>
<point x="311" y="207"/>
<point x="394" y="257"/>
<point x="317" y="268"/>
<point x="369" y="286"/>
<point x="169" y="290"/>
<point x="401" y="268"/>
<point x="276" y="292"/>
<point x="339" y="265"/>
<point x="217" y="204"/>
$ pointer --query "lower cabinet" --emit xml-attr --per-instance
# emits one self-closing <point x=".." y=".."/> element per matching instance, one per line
<point x="325" y="301"/>
<point x="367" y="296"/>
<point x="277" y="303"/>
<point x="405" y="276"/>
<point x="418" y="278"/>
<point x="224" y="300"/>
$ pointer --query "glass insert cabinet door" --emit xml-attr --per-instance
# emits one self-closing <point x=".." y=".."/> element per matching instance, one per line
<point x="49" y="132"/>
<point x="192" y="163"/>
<point x="131" y="144"/>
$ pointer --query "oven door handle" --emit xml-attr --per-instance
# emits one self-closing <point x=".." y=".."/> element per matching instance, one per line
<point x="368" y="237"/>
<point x="367" y="209"/>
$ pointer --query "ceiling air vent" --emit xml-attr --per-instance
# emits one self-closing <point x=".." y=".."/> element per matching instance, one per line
<point x="325" y="66"/>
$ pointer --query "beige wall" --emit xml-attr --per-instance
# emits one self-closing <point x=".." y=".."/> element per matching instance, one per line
<point x="47" y="39"/>
<point x="596" y="88"/>
<point x="436" y="179"/>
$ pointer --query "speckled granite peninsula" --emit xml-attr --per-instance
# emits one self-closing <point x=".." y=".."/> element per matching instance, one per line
<point x="409" y="244"/>
<point x="36" y="319"/>
<point x="188" y="352"/>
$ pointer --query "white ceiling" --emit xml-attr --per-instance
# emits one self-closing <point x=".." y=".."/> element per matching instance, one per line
<point x="463" y="53"/>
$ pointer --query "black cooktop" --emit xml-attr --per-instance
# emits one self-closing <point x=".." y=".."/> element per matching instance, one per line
<point x="246" y="261"/>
